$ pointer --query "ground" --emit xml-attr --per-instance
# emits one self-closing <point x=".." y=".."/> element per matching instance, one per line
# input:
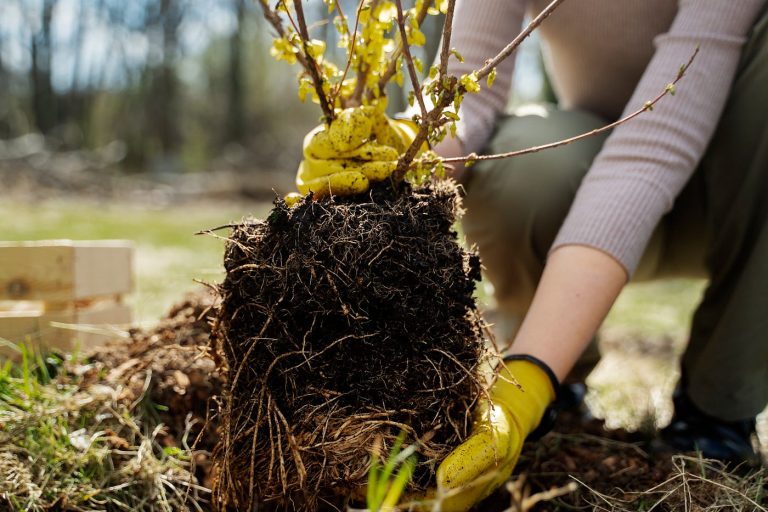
<point x="630" y="388"/>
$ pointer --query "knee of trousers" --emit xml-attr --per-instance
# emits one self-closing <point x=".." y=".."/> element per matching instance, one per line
<point x="515" y="206"/>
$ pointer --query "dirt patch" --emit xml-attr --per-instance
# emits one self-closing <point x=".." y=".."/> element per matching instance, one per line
<point x="170" y="367"/>
<point x="611" y="462"/>
<point x="343" y="322"/>
<point x="167" y="369"/>
<point x="616" y="470"/>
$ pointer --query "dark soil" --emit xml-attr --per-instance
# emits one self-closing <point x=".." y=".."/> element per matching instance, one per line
<point x="612" y="462"/>
<point x="343" y="322"/>
<point x="619" y="471"/>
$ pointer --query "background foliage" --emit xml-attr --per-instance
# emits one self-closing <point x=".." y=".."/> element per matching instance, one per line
<point x="166" y="85"/>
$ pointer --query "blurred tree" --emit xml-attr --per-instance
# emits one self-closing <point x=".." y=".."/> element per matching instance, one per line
<point x="164" y="19"/>
<point x="5" y="94"/>
<point x="43" y="97"/>
<point x="236" y="107"/>
<point x="181" y="84"/>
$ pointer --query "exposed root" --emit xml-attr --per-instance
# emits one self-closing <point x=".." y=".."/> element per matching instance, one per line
<point x="341" y="324"/>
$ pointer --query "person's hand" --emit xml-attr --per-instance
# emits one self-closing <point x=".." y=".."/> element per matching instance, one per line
<point x="360" y="146"/>
<point x="486" y="460"/>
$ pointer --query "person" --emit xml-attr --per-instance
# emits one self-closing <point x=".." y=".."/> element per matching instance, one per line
<point x="681" y="190"/>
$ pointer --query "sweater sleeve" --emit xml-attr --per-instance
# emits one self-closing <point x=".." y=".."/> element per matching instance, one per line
<point x="645" y="163"/>
<point x="480" y="31"/>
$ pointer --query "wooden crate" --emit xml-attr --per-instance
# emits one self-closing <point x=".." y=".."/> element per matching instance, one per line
<point x="63" y="294"/>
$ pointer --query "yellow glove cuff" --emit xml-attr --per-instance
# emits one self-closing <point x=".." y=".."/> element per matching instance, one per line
<point x="524" y="389"/>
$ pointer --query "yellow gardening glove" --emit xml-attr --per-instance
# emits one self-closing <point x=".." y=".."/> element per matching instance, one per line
<point x="486" y="460"/>
<point x="360" y="146"/>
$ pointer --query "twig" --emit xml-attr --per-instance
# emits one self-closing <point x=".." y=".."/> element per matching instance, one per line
<point x="409" y="59"/>
<point x="357" y="95"/>
<point x="274" y="19"/>
<point x="303" y="56"/>
<point x="449" y="87"/>
<point x="392" y="68"/>
<point x="314" y="73"/>
<point x="511" y="47"/>
<point x="669" y="89"/>
<point x="336" y="93"/>
<point x="529" y="502"/>
<point x="356" y="98"/>
<point x="288" y="15"/>
<point x="523" y="502"/>
<point x="445" y="49"/>
<point x="337" y="4"/>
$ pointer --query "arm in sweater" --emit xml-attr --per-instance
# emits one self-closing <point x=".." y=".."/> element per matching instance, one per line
<point x="634" y="180"/>
<point x="646" y="162"/>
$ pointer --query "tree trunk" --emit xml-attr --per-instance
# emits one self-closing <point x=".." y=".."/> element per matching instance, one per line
<point x="5" y="97"/>
<point x="43" y="96"/>
<point x="168" y="87"/>
<point x="235" y="99"/>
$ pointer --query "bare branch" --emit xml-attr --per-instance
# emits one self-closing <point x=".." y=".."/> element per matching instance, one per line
<point x="357" y="95"/>
<point x="274" y="19"/>
<point x="302" y="56"/>
<point x="446" y="92"/>
<point x="312" y="66"/>
<point x="392" y="69"/>
<point x="351" y="47"/>
<point x="356" y="98"/>
<point x="409" y="59"/>
<point x="337" y="4"/>
<point x="511" y="47"/>
<point x="447" y="31"/>
<point x="669" y="89"/>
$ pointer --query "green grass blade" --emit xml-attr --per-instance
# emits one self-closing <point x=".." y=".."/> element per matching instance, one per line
<point x="403" y="477"/>
<point x="392" y="460"/>
<point x="372" y="493"/>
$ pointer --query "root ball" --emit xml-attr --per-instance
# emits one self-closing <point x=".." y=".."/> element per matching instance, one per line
<point x="342" y="323"/>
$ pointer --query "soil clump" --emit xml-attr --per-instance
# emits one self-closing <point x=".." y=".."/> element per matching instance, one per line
<point x="342" y="323"/>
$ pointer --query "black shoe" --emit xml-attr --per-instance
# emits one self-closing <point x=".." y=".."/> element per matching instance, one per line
<point x="692" y="430"/>
<point x="571" y="397"/>
<point x="569" y="400"/>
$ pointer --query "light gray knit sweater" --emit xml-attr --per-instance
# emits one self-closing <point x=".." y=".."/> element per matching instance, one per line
<point x="609" y="57"/>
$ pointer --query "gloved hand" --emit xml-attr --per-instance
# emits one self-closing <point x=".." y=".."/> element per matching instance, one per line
<point x="360" y="146"/>
<point x="486" y="460"/>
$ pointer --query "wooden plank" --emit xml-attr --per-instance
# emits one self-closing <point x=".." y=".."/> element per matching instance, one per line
<point x="64" y="331"/>
<point x="63" y="270"/>
<point x="97" y="325"/>
<point x="18" y="328"/>
<point x="36" y="273"/>
<point x="103" y="270"/>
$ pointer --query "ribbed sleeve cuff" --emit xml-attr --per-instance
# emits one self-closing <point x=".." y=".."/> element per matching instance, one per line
<point x="593" y="221"/>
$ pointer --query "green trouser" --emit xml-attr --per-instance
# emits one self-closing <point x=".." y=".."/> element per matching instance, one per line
<point x="718" y="229"/>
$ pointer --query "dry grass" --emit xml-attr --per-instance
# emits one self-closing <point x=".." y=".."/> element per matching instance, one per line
<point x="67" y="447"/>
<point x="695" y="485"/>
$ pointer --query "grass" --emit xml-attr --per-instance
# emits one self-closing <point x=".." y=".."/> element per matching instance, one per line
<point x="169" y="257"/>
<point x="655" y="309"/>
<point x="65" y="447"/>
<point x="696" y="484"/>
